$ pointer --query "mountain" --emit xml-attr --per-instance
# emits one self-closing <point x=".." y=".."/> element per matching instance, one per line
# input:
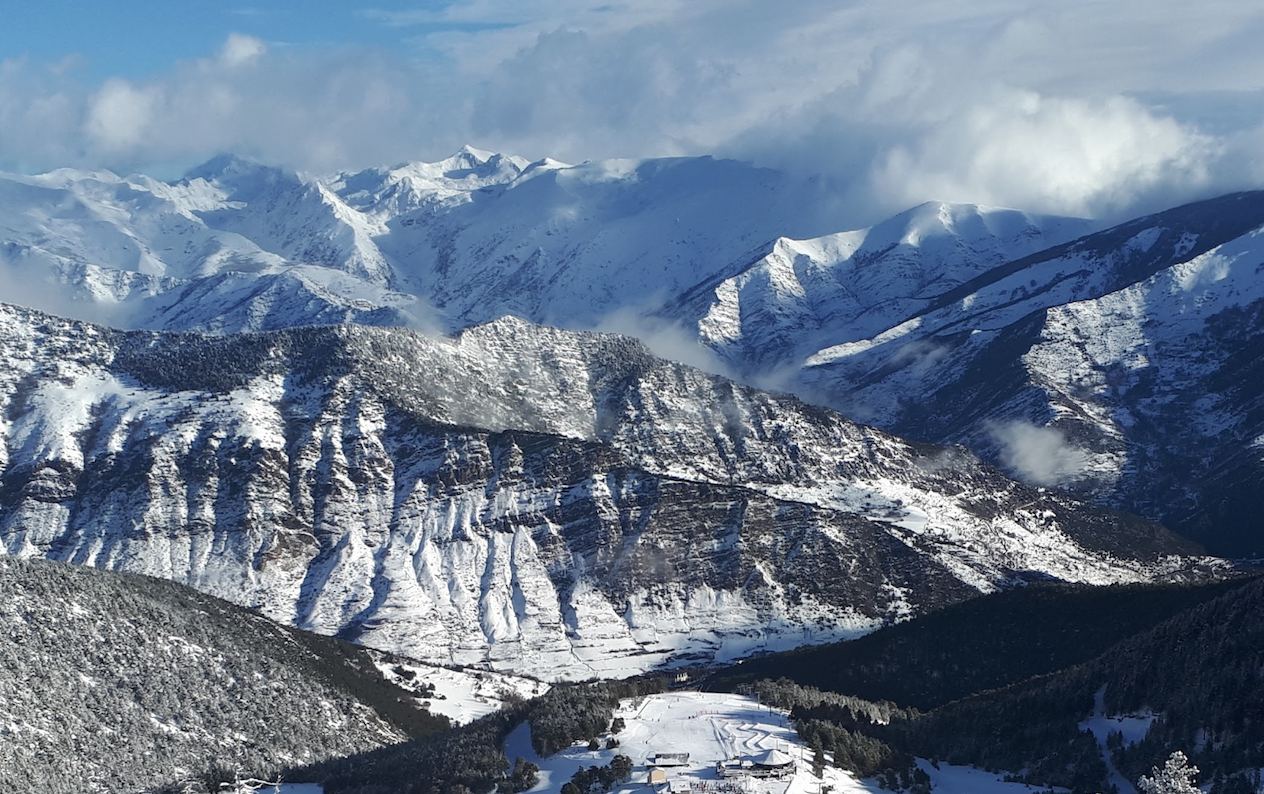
<point x="237" y="245"/>
<point x="119" y="683"/>
<point x="539" y="500"/>
<point x="1189" y="683"/>
<point x="805" y="295"/>
<point x="983" y="644"/>
<point x="1122" y="366"/>
<point x="1118" y="366"/>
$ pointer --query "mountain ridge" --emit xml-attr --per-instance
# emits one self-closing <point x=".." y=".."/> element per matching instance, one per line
<point x="579" y="500"/>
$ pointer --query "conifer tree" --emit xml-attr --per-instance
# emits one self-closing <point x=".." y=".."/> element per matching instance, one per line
<point x="1176" y="777"/>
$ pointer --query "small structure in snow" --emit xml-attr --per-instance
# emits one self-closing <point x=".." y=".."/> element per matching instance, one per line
<point x="670" y="759"/>
<point x="657" y="776"/>
<point x="771" y="764"/>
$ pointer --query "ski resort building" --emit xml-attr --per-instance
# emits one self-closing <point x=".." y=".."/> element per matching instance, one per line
<point x="771" y="764"/>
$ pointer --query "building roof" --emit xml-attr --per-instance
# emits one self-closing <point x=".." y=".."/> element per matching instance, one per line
<point x="774" y="757"/>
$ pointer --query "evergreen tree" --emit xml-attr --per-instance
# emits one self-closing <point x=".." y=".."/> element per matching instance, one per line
<point x="1176" y="777"/>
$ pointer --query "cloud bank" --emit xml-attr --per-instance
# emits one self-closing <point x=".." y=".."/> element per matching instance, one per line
<point x="1076" y="108"/>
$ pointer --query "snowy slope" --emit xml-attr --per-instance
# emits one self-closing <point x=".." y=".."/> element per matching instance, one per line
<point x="713" y="727"/>
<point x="460" y="695"/>
<point x="730" y="252"/>
<point x="235" y="246"/>
<point x="805" y="295"/>
<point x="116" y="683"/>
<point x="447" y="244"/>
<point x="542" y="501"/>
<point x="1135" y="345"/>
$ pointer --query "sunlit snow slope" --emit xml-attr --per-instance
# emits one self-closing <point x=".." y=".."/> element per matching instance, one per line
<point x="1139" y="346"/>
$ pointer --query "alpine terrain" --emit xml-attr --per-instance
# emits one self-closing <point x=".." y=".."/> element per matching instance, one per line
<point x="558" y="422"/>
<point x="546" y="501"/>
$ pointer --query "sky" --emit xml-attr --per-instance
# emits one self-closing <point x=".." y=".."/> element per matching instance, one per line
<point x="1097" y="108"/>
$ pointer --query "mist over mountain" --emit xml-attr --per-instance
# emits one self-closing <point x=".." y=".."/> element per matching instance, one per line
<point x="1114" y="364"/>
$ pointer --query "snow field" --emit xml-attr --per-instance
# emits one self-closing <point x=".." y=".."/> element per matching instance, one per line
<point x="461" y="695"/>
<point x="716" y="726"/>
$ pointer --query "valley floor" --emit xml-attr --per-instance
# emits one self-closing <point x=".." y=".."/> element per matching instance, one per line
<point x="711" y="727"/>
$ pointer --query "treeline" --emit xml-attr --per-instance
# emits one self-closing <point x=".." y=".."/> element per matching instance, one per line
<point x="838" y="724"/>
<point x="981" y="644"/>
<point x="569" y="714"/>
<point x="588" y="778"/>
<point x="116" y="682"/>
<point x="470" y="759"/>
<point x="1198" y="671"/>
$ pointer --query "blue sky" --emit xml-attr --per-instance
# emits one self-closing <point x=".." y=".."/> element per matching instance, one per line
<point x="140" y="38"/>
<point x="1080" y="107"/>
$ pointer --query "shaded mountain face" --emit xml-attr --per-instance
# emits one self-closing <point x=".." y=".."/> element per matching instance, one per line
<point x="1082" y="688"/>
<point x="1122" y="367"/>
<point x="124" y="683"/>
<point x="541" y="500"/>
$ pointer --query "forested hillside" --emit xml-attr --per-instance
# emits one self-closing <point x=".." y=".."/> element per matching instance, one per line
<point x="1010" y="682"/>
<point x="115" y="683"/>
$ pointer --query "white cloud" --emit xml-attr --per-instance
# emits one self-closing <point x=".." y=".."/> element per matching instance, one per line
<point x="1039" y="455"/>
<point x="120" y="115"/>
<point x="664" y="339"/>
<point x="241" y="49"/>
<point x="1073" y="107"/>
<point x="1066" y="155"/>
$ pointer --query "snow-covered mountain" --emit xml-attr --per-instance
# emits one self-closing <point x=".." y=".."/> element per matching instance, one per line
<point x="698" y="242"/>
<point x="804" y="295"/>
<point x="1124" y="366"/>
<point x="542" y="500"/>
<point x="237" y="245"/>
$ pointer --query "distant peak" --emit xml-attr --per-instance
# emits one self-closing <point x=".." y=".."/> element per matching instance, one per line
<point x="221" y="165"/>
<point x="479" y="156"/>
<point x="244" y="178"/>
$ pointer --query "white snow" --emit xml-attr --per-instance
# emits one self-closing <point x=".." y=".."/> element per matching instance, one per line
<point x="713" y="727"/>
<point x="461" y="695"/>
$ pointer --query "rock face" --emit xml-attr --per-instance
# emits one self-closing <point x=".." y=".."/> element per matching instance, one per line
<point x="544" y="501"/>
<point x="1130" y="358"/>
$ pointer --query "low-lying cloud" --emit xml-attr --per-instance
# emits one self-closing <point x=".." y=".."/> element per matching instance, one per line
<point x="664" y="339"/>
<point x="1039" y="455"/>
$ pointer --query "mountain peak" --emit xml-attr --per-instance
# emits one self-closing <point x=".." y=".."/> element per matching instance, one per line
<point x="242" y="178"/>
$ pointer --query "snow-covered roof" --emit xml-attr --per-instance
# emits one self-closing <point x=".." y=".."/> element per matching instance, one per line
<point x="774" y="757"/>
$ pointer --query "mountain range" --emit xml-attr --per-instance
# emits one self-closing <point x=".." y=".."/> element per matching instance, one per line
<point x="588" y="421"/>
<point x="1116" y="365"/>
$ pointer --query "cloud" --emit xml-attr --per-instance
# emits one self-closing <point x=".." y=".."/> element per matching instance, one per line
<point x="240" y="49"/>
<point x="1074" y="107"/>
<point x="664" y="339"/>
<point x="1039" y="455"/>
<point x="22" y="284"/>
<point x="120" y="114"/>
